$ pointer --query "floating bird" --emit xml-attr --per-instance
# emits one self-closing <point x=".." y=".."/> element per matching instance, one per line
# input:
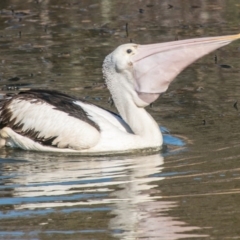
<point x="136" y="75"/>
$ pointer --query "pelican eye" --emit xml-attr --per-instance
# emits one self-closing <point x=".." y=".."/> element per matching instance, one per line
<point x="129" y="50"/>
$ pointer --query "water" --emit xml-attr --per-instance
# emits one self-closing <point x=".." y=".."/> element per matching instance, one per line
<point x="187" y="191"/>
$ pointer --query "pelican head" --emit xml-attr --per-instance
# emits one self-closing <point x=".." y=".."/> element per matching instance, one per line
<point x="146" y="71"/>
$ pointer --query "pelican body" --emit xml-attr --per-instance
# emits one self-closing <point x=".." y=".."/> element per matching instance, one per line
<point x="136" y="75"/>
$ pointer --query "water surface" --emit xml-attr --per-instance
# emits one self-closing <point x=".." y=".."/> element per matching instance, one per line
<point x="184" y="192"/>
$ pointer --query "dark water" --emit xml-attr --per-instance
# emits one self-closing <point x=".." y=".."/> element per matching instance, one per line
<point x="185" y="192"/>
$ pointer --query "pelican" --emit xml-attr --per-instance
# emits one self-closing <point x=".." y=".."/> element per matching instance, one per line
<point x="136" y="75"/>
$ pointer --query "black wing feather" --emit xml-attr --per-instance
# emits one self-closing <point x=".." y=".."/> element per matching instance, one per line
<point x="60" y="101"/>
